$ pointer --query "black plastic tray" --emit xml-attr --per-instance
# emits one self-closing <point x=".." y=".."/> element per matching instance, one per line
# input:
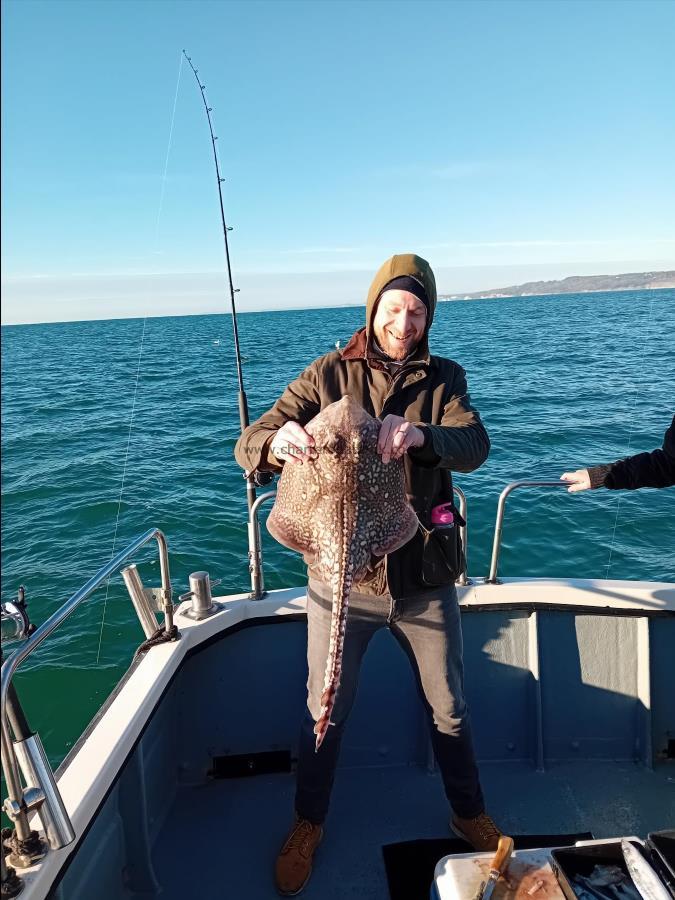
<point x="662" y="847"/>
<point x="571" y="861"/>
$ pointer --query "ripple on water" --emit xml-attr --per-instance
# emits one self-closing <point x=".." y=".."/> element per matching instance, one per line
<point x="552" y="397"/>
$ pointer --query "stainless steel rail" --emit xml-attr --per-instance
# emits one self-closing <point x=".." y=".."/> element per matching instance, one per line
<point x="63" y="834"/>
<point x="255" y="544"/>
<point x="496" y="543"/>
<point x="463" y="532"/>
<point x="255" y="559"/>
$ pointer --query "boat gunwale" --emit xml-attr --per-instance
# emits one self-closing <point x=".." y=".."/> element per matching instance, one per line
<point x="280" y="606"/>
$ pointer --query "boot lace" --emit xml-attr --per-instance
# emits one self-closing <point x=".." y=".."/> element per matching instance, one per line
<point x="486" y="827"/>
<point x="299" y="837"/>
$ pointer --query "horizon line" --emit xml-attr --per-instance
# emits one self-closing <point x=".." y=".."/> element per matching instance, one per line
<point x="443" y="298"/>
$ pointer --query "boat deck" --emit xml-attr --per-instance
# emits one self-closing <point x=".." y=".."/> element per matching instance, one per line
<point x="230" y="830"/>
<point x="581" y="691"/>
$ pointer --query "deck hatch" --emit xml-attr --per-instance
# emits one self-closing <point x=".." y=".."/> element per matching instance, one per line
<point x="241" y="765"/>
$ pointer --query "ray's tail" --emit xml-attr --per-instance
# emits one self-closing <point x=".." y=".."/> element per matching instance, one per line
<point x="342" y="584"/>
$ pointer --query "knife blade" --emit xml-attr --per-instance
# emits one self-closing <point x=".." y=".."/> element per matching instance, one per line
<point x="499" y="863"/>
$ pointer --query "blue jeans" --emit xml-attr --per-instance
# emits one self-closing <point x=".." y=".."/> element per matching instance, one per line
<point x="429" y="631"/>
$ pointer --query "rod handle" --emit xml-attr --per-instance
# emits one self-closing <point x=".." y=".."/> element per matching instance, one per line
<point x="243" y="410"/>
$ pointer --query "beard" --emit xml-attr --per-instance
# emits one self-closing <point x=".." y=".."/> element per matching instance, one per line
<point x="394" y="349"/>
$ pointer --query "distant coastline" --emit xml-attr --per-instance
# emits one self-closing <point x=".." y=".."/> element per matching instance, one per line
<point x="136" y="309"/>
<point x="576" y="284"/>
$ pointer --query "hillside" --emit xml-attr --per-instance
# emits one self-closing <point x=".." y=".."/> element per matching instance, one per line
<point x="577" y="284"/>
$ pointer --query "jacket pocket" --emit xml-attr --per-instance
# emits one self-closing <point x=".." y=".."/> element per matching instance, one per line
<point x="443" y="559"/>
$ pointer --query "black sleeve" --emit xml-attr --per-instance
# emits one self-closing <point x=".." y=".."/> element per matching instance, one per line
<point x="459" y="441"/>
<point x="655" y="469"/>
<point x="425" y="455"/>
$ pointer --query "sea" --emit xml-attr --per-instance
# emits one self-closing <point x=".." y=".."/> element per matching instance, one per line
<point x="112" y="427"/>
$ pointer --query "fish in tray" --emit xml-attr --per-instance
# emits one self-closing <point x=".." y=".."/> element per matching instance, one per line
<point x="605" y="882"/>
<point x="644" y="877"/>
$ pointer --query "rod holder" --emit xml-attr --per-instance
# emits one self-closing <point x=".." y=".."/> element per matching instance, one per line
<point x="14" y="805"/>
<point x="140" y="600"/>
<point x="38" y="774"/>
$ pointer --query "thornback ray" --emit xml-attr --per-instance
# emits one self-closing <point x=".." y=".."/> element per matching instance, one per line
<point x="340" y="509"/>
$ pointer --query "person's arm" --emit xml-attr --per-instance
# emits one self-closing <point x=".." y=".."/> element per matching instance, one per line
<point x="299" y="403"/>
<point x="460" y="442"/>
<point x="655" y="469"/>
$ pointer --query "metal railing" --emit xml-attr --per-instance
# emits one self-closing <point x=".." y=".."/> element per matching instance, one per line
<point x="255" y="556"/>
<point x="42" y="793"/>
<point x="463" y="511"/>
<point x="496" y="543"/>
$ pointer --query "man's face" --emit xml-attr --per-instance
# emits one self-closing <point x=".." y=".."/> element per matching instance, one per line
<point x="399" y="322"/>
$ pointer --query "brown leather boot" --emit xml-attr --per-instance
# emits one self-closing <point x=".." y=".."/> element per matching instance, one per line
<point x="294" y="863"/>
<point x="481" y="832"/>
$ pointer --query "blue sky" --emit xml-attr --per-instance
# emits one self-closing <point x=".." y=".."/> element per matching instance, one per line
<point x="500" y="140"/>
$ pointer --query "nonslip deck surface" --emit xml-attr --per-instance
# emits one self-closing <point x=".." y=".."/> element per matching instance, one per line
<point x="229" y="831"/>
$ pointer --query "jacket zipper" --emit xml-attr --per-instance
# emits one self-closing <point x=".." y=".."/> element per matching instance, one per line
<point x="400" y="376"/>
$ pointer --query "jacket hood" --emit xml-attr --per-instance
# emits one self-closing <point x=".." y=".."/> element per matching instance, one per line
<point x="403" y="264"/>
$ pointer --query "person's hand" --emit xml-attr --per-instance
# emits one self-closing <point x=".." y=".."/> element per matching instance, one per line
<point x="578" y="481"/>
<point x="396" y="437"/>
<point x="293" y="444"/>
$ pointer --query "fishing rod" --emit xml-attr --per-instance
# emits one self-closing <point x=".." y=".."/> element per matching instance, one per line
<point x="243" y="403"/>
<point x="253" y="479"/>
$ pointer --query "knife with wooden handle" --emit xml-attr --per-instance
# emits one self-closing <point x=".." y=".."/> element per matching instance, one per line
<point x="499" y="863"/>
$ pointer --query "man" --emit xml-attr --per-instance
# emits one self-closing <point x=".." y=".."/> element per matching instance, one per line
<point x="655" y="470"/>
<point x="427" y="419"/>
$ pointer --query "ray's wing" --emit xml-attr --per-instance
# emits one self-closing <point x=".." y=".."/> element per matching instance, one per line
<point x="397" y="534"/>
<point x="386" y="505"/>
<point x="294" y="511"/>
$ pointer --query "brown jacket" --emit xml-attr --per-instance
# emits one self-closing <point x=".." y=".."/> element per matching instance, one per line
<point x="429" y="390"/>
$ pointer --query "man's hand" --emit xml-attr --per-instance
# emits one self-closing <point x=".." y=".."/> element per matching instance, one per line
<point x="578" y="481"/>
<point x="396" y="437"/>
<point x="293" y="444"/>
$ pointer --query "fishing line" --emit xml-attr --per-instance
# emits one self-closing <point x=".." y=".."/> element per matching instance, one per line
<point x="140" y="356"/>
<point x="124" y="474"/>
<point x="168" y="151"/>
<point x="630" y="433"/>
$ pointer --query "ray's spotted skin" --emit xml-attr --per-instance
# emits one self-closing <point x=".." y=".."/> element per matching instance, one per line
<point x="340" y="509"/>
